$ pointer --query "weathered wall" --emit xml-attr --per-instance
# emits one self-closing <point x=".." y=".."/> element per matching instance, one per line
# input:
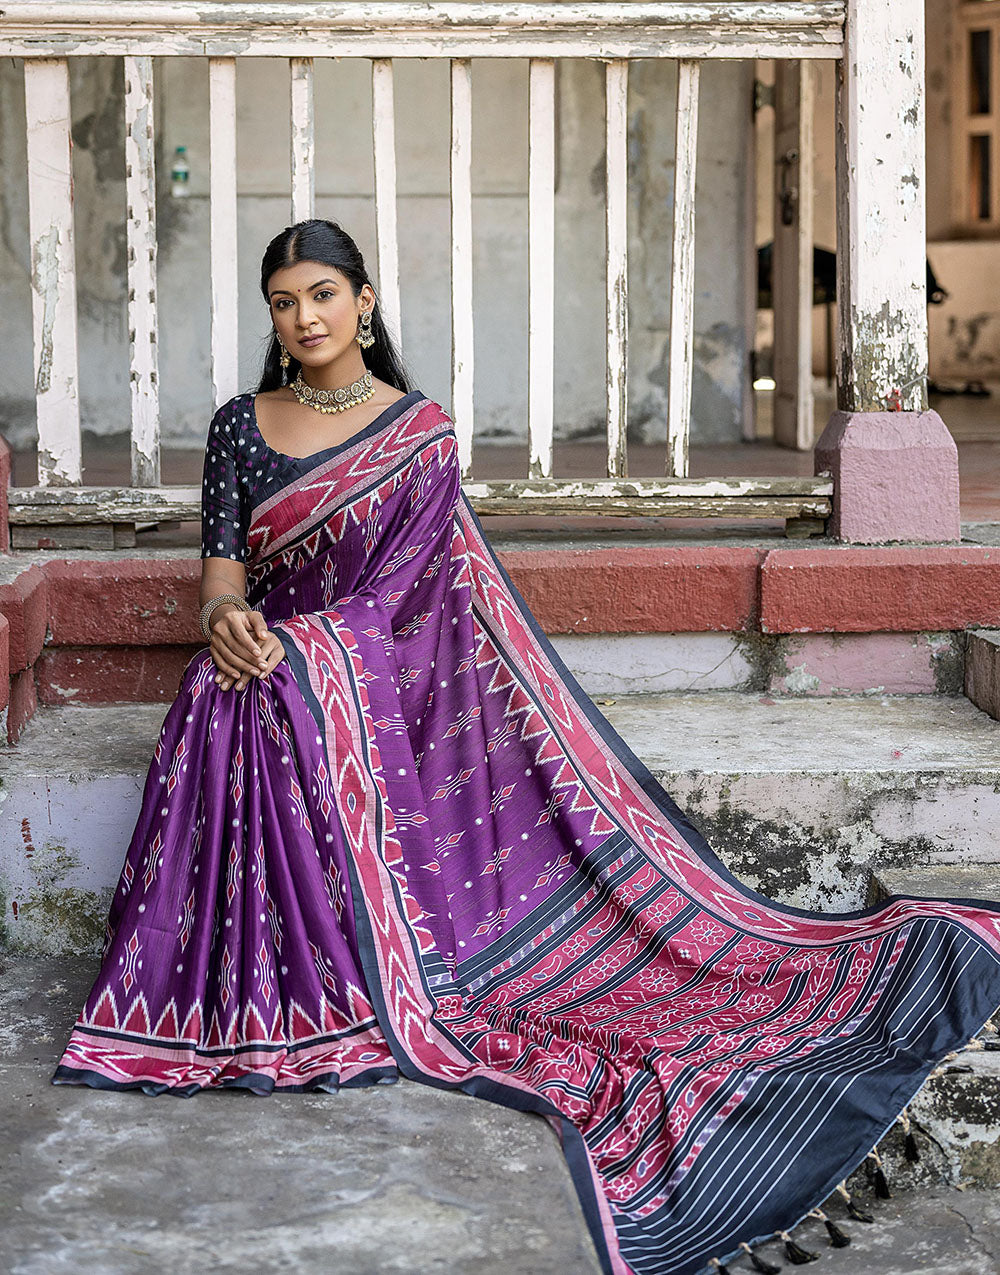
<point x="344" y="193"/>
<point x="964" y="329"/>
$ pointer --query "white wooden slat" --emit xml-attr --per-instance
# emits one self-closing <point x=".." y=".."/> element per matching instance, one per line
<point x="53" y="271"/>
<point x="746" y="247"/>
<point x="681" y="329"/>
<point x="140" y="240"/>
<point x="303" y="139"/>
<point x="427" y="28"/>
<point x="805" y="407"/>
<point x="386" y="231"/>
<point x="461" y="259"/>
<point x="881" y="209"/>
<point x="541" y="264"/>
<point x="616" y="223"/>
<point x="222" y="227"/>
<point x="792" y="268"/>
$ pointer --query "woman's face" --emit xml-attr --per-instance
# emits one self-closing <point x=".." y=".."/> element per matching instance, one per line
<point x="311" y="299"/>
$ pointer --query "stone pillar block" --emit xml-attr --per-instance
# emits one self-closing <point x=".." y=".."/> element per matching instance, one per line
<point x="895" y="477"/>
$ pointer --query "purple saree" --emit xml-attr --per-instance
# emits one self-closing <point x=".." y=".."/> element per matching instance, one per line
<point x="418" y="848"/>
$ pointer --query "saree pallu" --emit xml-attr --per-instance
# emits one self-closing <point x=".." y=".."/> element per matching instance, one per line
<point x="417" y="847"/>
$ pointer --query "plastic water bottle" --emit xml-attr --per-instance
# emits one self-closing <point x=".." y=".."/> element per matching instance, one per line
<point x="179" y="173"/>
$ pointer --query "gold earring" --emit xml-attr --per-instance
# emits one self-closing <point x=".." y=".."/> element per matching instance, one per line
<point x="285" y="356"/>
<point x="365" y="337"/>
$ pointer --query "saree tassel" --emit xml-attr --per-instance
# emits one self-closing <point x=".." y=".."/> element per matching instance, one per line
<point x="944" y="1065"/>
<point x="797" y="1255"/>
<point x="758" y="1263"/>
<point x="881" y="1182"/>
<point x="838" y="1238"/>
<point x="857" y="1213"/>
<point x="910" y="1148"/>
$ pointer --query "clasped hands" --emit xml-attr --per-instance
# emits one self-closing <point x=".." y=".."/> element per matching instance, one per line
<point x="242" y="648"/>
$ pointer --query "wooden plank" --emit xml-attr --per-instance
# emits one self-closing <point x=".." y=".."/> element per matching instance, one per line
<point x="222" y="228"/>
<point x="881" y="235"/>
<point x="303" y="139"/>
<point x="64" y="536"/>
<point x="792" y="274"/>
<point x="541" y="264"/>
<point x="103" y="504"/>
<point x="140" y="240"/>
<point x="681" y="324"/>
<point x="767" y="486"/>
<point x="462" y="316"/>
<point x="746" y="246"/>
<point x="808" y="495"/>
<point x="651" y="506"/>
<point x="440" y="28"/>
<point x="616" y="238"/>
<point x="386" y="233"/>
<point x="53" y="271"/>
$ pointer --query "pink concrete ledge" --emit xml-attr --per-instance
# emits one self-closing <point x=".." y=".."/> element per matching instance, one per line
<point x="880" y="590"/>
<point x="128" y="602"/>
<point x="123" y="602"/>
<point x="22" y="705"/>
<point x="142" y="674"/>
<point x="641" y="589"/>
<point x="24" y="603"/>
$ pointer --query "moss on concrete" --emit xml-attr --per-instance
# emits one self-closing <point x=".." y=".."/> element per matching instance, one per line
<point x="948" y="661"/>
<point x="52" y="917"/>
<point x="766" y="655"/>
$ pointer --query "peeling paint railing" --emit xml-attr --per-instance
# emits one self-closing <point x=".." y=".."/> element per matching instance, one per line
<point x="46" y="35"/>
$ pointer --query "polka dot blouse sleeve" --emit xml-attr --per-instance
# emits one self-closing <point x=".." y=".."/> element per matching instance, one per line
<point x="223" y="511"/>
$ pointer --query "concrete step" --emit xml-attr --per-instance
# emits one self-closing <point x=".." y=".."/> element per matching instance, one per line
<point x="400" y="1178"/>
<point x="394" y="1178"/>
<point x="799" y="796"/>
<point x="982" y="670"/>
<point x="803" y="797"/>
<point x="936" y="880"/>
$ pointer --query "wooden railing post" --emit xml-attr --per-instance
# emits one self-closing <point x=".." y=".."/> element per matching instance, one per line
<point x="894" y="463"/>
<point x="681" y="345"/>
<point x="53" y="271"/>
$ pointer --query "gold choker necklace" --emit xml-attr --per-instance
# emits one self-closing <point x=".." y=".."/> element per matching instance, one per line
<point x="334" y="400"/>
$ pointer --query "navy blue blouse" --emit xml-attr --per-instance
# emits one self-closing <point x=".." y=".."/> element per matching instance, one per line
<point x="235" y="463"/>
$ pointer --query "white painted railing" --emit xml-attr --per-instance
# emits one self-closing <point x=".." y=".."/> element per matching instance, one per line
<point x="47" y="35"/>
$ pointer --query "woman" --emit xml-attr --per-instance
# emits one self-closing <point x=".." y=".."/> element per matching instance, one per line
<point x="384" y="831"/>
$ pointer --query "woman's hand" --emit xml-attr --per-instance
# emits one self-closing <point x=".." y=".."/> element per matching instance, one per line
<point x="242" y="648"/>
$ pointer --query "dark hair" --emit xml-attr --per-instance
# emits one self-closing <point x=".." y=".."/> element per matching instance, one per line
<point x="319" y="240"/>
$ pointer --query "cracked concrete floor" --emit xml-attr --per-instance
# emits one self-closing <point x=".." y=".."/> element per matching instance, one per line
<point x="403" y="1178"/>
<point x="393" y="1180"/>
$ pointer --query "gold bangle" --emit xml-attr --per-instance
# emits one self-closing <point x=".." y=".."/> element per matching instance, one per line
<point x="212" y="603"/>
